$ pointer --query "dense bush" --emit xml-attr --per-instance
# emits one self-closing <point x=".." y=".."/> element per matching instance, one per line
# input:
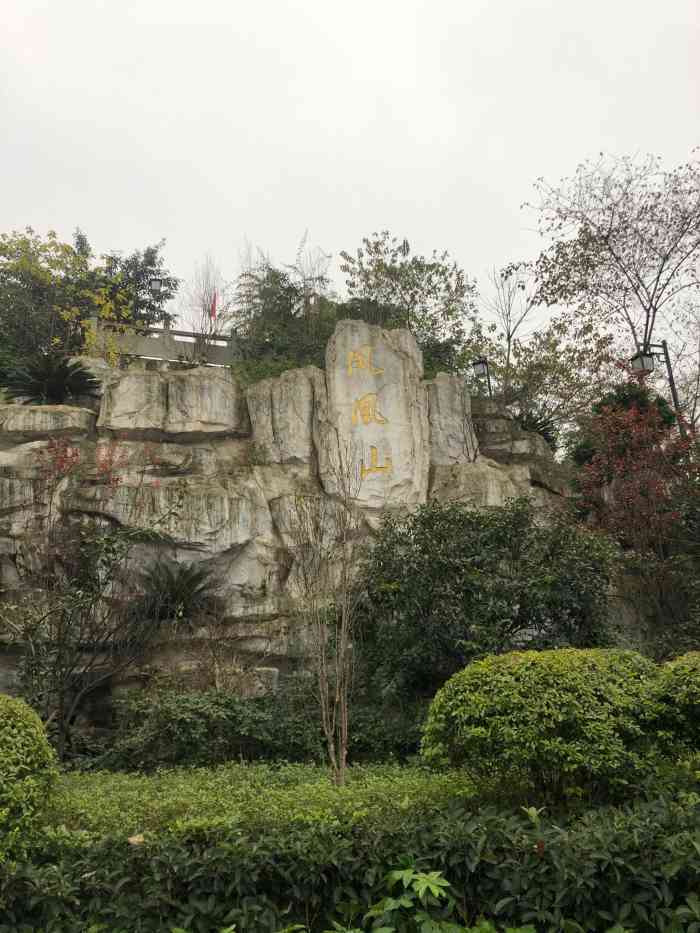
<point x="382" y="730"/>
<point x="27" y="772"/>
<point x="285" y="316"/>
<point x="677" y="696"/>
<point x="297" y="853"/>
<point x="564" y="720"/>
<point x="664" y="595"/>
<point x="167" y="727"/>
<point x="447" y="584"/>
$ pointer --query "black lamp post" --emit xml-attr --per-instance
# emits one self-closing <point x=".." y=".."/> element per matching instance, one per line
<point x="481" y="369"/>
<point x="643" y="362"/>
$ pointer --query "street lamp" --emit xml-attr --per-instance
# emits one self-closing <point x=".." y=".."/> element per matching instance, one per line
<point x="155" y="286"/>
<point x="481" y="370"/>
<point x="643" y="362"/>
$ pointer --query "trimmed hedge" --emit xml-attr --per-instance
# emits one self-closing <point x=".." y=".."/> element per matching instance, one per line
<point x="570" y="720"/>
<point x="27" y="772"/>
<point x="633" y="865"/>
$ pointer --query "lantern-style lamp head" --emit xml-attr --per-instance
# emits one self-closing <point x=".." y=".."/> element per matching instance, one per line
<point x="481" y="367"/>
<point x="642" y="362"/>
<point x="155" y="286"/>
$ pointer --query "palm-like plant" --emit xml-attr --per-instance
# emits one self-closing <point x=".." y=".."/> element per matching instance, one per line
<point x="48" y="379"/>
<point x="175" y="592"/>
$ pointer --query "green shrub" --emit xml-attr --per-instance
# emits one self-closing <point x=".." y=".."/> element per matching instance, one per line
<point x="27" y="772"/>
<point x="447" y="584"/>
<point x="165" y="728"/>
<point x="250" y="371"/>
<point x="171" y="728"/>
<point x="677" y="696"/>
<point x="556" y="720"/>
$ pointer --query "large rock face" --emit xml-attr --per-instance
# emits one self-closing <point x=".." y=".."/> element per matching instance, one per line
<point x="219" y="470"/>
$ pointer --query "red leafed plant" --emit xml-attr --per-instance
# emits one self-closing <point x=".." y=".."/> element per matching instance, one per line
<point x="640" y="477"/>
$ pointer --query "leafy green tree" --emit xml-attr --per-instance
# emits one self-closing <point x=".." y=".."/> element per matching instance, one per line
<point x="46" y="291"/>
<point x="132" y="275"/>
<point x="275" y="325"/>
<point x="431" y="296"/>
<point x="447" y="584"/>
<point x="50" y="290"/>
<point x="286" y="315"/>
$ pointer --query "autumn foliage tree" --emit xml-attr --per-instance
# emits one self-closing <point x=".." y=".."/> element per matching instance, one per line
<point x="640" y="482"/>
<point x="547" y="369"/>
<point x="626" y="240"/>
<point x="624" y="254"/>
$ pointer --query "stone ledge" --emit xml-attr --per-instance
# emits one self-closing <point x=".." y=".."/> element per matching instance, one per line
<point x="184" y="406"/>
<point x="21" y="423"/>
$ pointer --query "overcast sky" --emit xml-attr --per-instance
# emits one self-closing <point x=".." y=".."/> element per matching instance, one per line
<point x="207" y="122"/>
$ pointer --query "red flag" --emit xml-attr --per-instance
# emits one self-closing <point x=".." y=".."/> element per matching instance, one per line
<point x="212" y="307"/>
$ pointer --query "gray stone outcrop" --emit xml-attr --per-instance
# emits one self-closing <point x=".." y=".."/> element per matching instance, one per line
<point x="282" y="414"/>
<point x="452" y="437"/>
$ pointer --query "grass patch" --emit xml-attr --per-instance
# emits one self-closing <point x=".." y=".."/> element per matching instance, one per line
<point x="250" y="795"/>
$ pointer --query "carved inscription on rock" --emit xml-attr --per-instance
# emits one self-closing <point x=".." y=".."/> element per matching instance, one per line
<point x="376" y="405"/>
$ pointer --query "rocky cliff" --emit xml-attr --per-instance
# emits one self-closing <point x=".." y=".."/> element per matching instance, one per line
<point x="218" y="466"/>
